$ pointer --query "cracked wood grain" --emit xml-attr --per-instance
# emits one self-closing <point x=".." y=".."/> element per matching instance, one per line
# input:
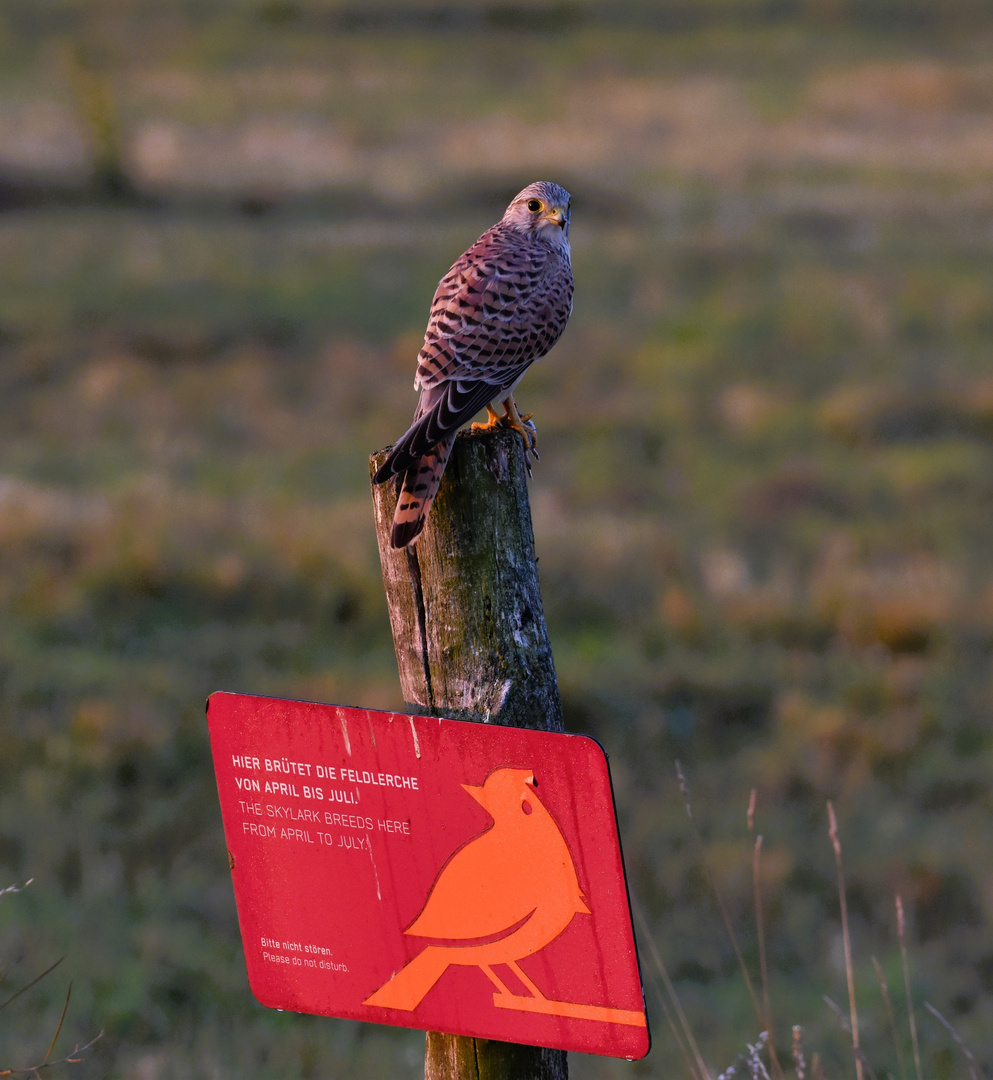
<point x="472" y="644"/>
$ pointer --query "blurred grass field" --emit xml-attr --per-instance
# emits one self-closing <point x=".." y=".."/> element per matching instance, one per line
<point x="763" y="509"/>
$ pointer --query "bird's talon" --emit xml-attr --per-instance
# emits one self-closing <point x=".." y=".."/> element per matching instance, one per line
<point x="493" y="420"/>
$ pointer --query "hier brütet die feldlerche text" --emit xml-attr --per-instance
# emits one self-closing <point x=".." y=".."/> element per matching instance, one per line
<point x="296" y="779"/>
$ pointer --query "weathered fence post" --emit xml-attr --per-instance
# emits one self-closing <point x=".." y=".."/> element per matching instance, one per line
<point x="472" y="644"/>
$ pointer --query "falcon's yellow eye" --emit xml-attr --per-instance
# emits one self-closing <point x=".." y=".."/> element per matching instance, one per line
<point x="534" y="206"/>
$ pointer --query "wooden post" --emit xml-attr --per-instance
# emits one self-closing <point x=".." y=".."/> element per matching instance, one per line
<point x="472" y="644"/>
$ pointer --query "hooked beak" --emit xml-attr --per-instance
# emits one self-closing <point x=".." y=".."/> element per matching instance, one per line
<point x="557" y="216"/>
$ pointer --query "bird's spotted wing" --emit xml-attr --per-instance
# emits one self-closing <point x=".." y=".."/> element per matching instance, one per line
<point x="502" y="305"/>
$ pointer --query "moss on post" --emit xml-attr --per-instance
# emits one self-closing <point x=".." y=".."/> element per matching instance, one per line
<point x="472" y="644"/>
<point x="464" y="602"/>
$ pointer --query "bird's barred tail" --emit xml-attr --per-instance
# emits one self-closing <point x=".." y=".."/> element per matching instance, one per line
<point x="408" y="987"/>
<point x="417" y="491"/>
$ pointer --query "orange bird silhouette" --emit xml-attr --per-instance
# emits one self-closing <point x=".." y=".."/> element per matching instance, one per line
<point x="503" y="895"/>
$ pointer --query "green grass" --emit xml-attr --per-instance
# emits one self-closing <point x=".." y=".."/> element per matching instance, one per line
<point x="762" y="510"/>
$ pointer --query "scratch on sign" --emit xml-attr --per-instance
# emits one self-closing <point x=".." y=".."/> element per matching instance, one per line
<point x="344" y="730"/>
<point x="375" y="872"/>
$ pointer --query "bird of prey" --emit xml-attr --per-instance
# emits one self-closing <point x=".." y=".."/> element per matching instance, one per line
<point x="502" y="896"/>
<point x="500" y="307"/>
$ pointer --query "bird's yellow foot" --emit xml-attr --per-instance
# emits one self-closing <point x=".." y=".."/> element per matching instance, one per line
<point x="492" y="421"/>
<point x="524" y="426"/>
<point x="532" y="435"/>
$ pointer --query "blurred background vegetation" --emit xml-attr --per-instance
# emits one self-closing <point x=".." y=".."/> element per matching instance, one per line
<point x="764" y="509"/>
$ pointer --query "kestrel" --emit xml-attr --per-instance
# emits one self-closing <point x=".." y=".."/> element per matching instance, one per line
<point x="501" y="306"/>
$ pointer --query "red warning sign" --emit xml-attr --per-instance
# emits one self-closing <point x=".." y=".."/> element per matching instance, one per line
<point x="428" y="873"/>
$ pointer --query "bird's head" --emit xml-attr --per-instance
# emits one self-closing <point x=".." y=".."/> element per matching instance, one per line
<point x="542" y="209"/>
<point x="506" y="790"/>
